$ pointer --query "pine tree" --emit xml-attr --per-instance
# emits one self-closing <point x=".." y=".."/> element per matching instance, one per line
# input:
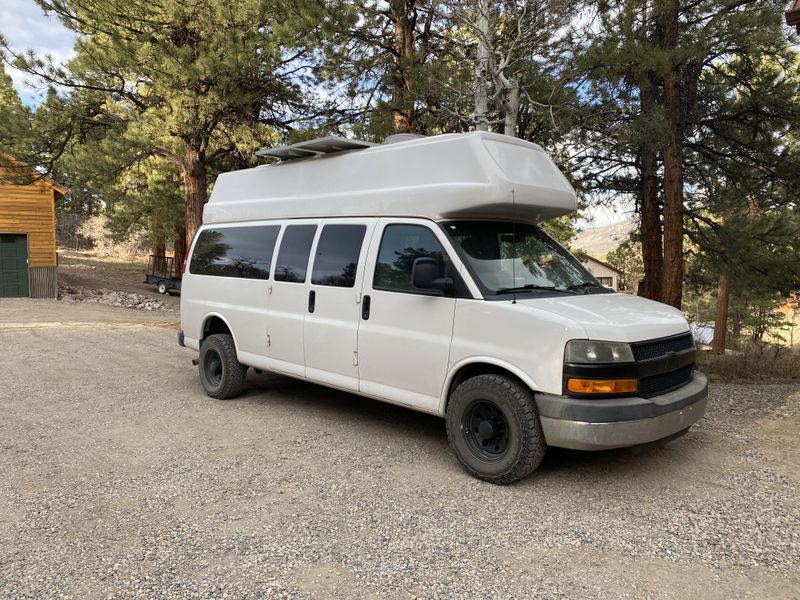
<point x="650" y="67"/>
<point x="15" y="125"/>
<point x="190" y="83"/>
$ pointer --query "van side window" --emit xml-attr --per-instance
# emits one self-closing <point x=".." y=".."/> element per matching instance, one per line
<point x="336" y="260"/>
<point x="400" y="246"/>
<point x="293" y="256"/>
<point x="235" y="251"/>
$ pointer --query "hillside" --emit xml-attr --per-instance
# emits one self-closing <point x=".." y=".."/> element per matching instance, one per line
<point x="599" y="241"/>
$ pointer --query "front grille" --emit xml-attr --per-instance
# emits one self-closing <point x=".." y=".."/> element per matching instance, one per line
<point x="651" y="356"/>
<point x="660" y="384"/>
<point x="657" y="348"/>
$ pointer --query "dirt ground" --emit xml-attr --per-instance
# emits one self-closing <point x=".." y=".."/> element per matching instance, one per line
<point x="119" y="478"/>
<point x="82" y="270"/>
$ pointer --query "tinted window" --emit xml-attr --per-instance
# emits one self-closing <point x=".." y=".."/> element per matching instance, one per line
<point x="337" y="255"/>
<point x="235" y="251"/>
<point x="400" y="246"/>
<point x="293" y="256"/>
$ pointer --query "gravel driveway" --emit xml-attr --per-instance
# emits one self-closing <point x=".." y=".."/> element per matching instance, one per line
<point x="119" y="478"/>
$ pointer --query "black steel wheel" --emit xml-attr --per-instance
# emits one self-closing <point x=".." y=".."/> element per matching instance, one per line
<point x="212" y="367"/>
<point x="493" y="427"/>
<point x="486" y="430"/>
<point x="221" y="373"/>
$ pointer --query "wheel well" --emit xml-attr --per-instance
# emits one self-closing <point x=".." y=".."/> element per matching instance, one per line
<point x="214" y="325"/>
<point x="475" y="369"/>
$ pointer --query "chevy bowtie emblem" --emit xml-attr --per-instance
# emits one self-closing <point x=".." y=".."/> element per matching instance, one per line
<point x="672" y="360"/>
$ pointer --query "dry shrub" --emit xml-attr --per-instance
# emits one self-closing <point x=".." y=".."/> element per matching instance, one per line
<point x="756" y="361"/>
<point x="96" y="230"/>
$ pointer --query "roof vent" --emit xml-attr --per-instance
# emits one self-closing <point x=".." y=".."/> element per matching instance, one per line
<point x="402" y="137"/>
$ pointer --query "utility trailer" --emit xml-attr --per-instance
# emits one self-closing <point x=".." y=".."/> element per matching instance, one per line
<point x="163" y="273"/>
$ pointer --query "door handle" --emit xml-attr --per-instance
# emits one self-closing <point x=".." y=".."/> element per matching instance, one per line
<point x="366" y="301"/>
<point x="312" y="300"/>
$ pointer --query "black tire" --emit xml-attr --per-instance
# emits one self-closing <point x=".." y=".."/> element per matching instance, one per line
<point x="162" y="287"/>
<point x="493" y="427"/>
<point x="221" y="373"/>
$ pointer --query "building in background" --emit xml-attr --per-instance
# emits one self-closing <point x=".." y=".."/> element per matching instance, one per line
<point x="603" y="272"/>
<point x="28" y="237"/>
<point x="793" y="15"/>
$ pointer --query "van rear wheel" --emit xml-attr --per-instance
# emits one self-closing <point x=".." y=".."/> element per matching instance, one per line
<point x="493" y="427"/>
<point x="221" y="373"/>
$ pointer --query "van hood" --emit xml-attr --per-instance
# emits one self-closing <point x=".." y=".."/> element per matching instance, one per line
<point x="615" y="317"/>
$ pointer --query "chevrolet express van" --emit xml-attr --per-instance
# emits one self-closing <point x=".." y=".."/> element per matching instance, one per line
<point x="415" y="273"/>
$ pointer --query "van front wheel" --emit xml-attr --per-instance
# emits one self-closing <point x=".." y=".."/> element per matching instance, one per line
<point x="221" y="373"/>
<point x="493" y="427"/>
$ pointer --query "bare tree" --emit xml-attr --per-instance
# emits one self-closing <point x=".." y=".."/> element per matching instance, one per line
<point x="506" y="36"/>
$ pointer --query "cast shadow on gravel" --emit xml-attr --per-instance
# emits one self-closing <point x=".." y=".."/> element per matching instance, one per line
<point x="343" y="408"/>
<point x="340" y="407"/>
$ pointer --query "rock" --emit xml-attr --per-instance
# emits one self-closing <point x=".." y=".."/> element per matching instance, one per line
<point x="70" y="295"/>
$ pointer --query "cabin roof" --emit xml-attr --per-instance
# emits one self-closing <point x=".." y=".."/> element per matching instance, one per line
<point x="9" y="163"/>
<point x="468" y="175"/>
<point x="589" y="257"/>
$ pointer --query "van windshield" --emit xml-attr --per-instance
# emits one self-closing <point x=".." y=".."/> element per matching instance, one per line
<point x="518" y="257"/>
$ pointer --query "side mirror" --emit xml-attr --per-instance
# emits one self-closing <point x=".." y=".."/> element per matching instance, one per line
<point x="425" y="275"/>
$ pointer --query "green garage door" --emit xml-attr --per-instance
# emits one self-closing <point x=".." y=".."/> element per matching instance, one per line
<point x="13" y="265"/>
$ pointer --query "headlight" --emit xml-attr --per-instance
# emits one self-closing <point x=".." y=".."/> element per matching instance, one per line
<point x="591" y="351"/>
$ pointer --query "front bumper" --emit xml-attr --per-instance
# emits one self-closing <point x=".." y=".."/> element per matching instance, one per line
<point x="583" y="424"/>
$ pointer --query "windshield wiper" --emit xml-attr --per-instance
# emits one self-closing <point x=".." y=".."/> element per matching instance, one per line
<point x="527" y="288"/>
<point x="586" y="285"/>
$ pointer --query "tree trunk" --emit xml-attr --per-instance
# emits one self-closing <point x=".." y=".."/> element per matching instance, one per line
<point x="194" y="190"/>
<point x="673" y="160"/>
<point x="180" y="246"/>
<point x="482" y="68"/>
<point x="721" y="321"/>
<point x="736" y="325"/>
<point x="673" y="209"/>
<point x="511" y="108"/>
<point x="652" y="249"/>
<point x="159" y="249"/>
<point x="402" y="100"/>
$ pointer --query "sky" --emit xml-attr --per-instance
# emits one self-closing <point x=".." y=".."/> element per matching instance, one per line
<point x="26" y="27"/>
<point x="600" y="216"/>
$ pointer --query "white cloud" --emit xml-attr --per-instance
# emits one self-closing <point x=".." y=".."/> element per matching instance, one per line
<point x="26" y="27"/>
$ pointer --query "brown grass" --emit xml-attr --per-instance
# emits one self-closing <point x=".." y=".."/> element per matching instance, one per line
<point x="754" y="362"/>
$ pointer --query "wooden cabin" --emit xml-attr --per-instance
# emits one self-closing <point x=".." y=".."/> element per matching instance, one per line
<point x="28" y="261"/>
<point x="793" y="15"/>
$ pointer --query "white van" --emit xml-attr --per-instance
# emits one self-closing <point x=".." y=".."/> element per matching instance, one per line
<point x="414" y="273"/>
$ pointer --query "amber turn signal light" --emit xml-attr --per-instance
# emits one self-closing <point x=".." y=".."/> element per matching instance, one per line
<point x="601" y="386"/>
